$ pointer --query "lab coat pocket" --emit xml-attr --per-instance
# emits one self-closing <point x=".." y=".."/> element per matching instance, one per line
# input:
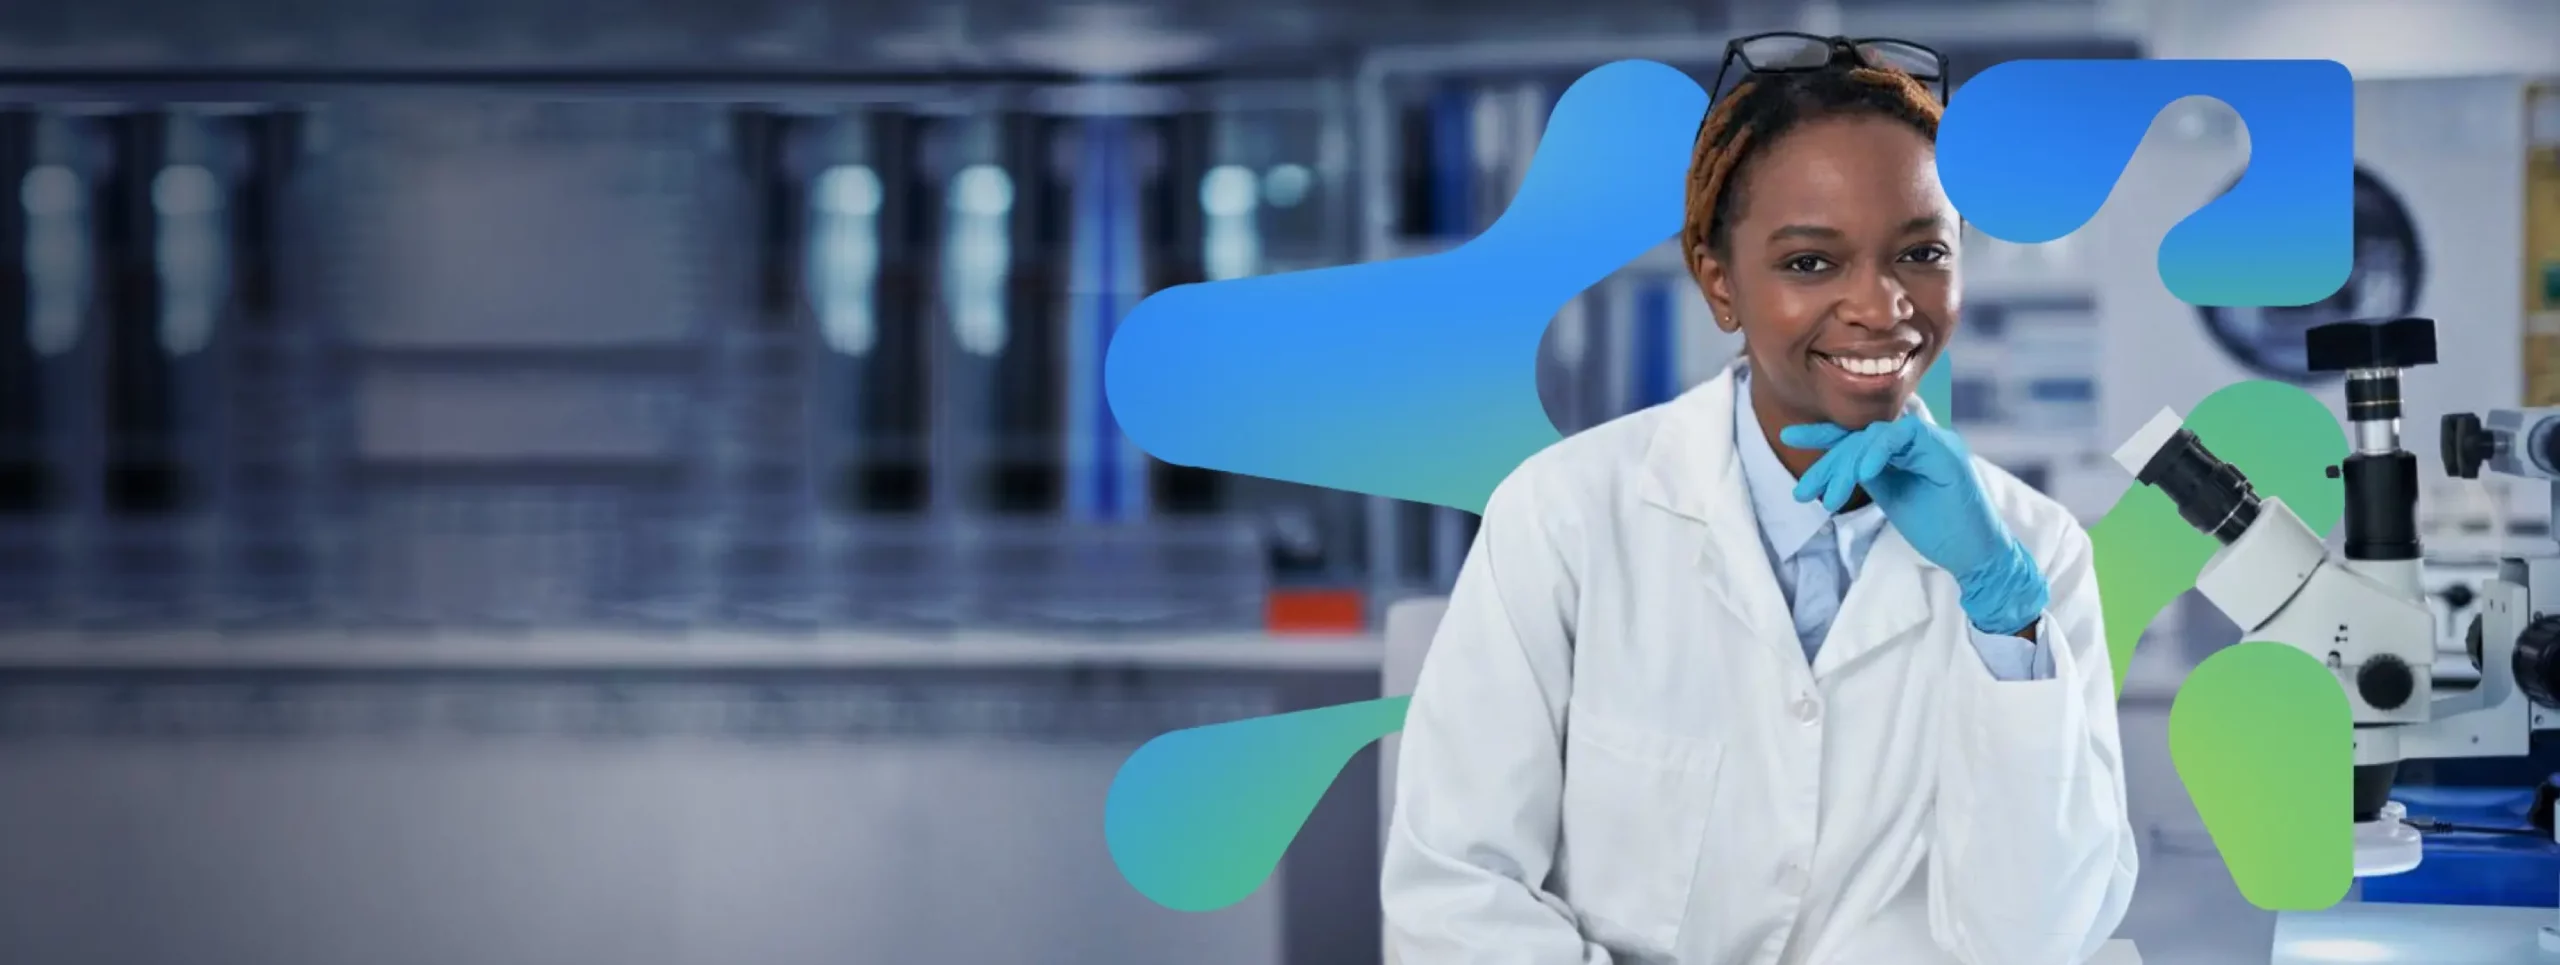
<point x="1637" y="805"/>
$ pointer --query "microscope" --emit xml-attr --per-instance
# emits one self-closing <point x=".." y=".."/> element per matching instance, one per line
<point x="2363" y="610"/>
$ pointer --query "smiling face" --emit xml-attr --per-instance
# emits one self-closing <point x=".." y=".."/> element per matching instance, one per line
<point x="1838" y="268"/>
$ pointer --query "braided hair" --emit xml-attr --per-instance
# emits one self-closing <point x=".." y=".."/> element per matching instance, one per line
<point x="1763" y="108"/>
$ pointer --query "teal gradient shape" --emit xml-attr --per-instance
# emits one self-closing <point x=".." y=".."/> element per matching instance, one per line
<point x="1416" y="378"/>
<point x="1199" y="818"/>
<point x="1938" y="389"/>
<point x="2030" y="149"/>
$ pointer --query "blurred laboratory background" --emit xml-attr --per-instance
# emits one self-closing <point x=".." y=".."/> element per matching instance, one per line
<point x="558" y="482"/>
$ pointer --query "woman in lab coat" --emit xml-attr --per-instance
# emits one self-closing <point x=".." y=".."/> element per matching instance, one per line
<point x="1776" y="672"/>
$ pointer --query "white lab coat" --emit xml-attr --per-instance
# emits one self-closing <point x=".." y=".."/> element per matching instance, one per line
<point x="1617" y="753"/>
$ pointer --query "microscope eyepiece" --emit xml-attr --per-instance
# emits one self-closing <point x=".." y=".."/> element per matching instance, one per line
<point x="2210" y="494"/>
<point x="2373" y="395"/>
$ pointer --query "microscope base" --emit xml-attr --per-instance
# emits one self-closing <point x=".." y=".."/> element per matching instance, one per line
<point x="2387" y="845"/>
<point x="2497" y="859"/>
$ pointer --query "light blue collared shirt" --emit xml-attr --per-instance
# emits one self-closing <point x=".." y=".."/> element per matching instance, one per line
<point x="1816" y="553"/>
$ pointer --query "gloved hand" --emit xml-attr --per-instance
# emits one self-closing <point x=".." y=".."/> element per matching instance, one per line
<point x="1922" y="477"/>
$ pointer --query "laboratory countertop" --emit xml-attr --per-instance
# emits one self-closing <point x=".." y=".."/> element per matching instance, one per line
<point x="2434" y="934"/>
<point x="574" y="650"/>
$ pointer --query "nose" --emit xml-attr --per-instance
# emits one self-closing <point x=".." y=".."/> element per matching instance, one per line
<point x="1875" y="299"/>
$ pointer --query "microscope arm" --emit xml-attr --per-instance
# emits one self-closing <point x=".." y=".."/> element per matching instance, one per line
<point x="2279" y="583"/>
<point x="2275" y="577"/>
<point x="2255" y="579"/>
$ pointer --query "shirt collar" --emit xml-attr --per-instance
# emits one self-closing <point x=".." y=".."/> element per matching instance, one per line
<point x="1786" y="525"/>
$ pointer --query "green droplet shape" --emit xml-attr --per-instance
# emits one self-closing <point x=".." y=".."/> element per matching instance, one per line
<point x="2263" y="738"/>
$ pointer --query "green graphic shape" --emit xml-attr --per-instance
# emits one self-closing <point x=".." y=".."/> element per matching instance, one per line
<point x="2260" y="734"/>
<point x="2278" y="435"/>
<point x="1199" y="818"/>
<point x="2264" y="741"/>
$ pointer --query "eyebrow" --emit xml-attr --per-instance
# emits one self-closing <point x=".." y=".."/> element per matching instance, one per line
<point x="1804" y="231"/>
<point x="1920" y="223"/>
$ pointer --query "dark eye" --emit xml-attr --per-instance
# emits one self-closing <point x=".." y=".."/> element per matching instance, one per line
<point x="1807" y="264"/>
<point x="1928" y="254"/>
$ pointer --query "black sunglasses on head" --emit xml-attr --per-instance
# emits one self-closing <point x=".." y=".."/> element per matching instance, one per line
<point x="1788" y="52"/>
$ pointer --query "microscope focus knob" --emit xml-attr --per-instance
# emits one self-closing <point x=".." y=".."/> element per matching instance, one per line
<point x="2386" y="682"/>
<point x="2537" y="661"/>
<point x="2400" y="343"/>
<point x="2467" y="445"/>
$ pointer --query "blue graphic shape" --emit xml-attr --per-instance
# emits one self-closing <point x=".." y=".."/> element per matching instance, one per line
<point x="2030" y="149"/>
<point x="1415" y="378"/>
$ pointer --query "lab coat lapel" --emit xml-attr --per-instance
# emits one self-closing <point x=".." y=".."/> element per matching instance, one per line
<point x="1693" y="473"/>
<point x="1887" y="599"/>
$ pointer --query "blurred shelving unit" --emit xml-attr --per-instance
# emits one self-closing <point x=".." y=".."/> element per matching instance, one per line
<point x="530" y="301"/>
<point x="550" y="650"/>
<point x="435" y="404"/>
<point x="639" y="357"/>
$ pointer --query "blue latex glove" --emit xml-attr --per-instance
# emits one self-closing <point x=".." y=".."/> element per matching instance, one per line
<point x="1922" y="477"/>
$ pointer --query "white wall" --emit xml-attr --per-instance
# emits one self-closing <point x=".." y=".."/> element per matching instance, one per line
<point x="2374" y="38"/>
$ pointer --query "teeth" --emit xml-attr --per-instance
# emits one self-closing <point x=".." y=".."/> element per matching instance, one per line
<point x="1884" y="366"/>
